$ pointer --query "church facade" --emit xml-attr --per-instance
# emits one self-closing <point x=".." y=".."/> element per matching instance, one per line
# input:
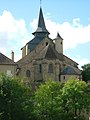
<point x="43" y="58"/>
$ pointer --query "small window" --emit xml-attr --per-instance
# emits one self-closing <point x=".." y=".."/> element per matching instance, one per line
<point x="50" y="68"/>
<point x="61" y="43"/>
<point x="46" y="43"/>
<point x="28" y="73"/>
<point x="64" y="77"/>
<point x="40" y="68"/>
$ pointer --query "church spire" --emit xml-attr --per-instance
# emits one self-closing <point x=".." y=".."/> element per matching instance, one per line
<point x="41" y="25"/>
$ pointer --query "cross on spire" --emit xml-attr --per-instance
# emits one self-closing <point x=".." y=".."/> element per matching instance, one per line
<point x="40" y="3"/>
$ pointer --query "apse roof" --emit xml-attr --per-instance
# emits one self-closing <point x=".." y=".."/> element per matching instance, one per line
<point x="69" y="71"/>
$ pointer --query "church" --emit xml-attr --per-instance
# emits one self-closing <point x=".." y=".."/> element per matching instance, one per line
<point x="43" y="58"/>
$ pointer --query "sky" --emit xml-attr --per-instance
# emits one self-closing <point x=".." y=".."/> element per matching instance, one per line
<point x="71" y="18"/>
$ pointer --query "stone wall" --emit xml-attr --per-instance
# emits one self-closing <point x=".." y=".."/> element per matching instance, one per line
<point x="9" y="69"/>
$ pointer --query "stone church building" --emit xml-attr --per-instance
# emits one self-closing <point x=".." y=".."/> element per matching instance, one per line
<point x="42" y="58"/>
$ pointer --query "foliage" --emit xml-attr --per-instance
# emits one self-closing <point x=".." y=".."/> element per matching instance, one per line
<point x="75" y="97"/>
<point x="45" y="98"/>
<point x="86" y="72"/>
<point x="51" y="100"/>
<point x="88" y="96"/>
<point x="56" y="102"/>
<point x="15" y="100"/>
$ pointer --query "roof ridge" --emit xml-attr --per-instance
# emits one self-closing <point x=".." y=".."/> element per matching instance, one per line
<point x="4" y="57"/>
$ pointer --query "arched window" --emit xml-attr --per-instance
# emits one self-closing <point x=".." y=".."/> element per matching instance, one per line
<point x="40" y="68"/>
<point x="28" y="73"/>
<point x="46" y="43"/>
<point x="50" y="68"/>
<point x="64" y="77"/>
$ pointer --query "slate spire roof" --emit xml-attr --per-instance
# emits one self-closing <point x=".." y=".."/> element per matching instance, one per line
<point x="41" y="24"/>
<point x="58" y="36"/>
<point x="40" y="33"/>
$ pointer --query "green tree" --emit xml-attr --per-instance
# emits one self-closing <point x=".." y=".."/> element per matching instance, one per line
<point x="86" y="72"/>
<point x="75" y="97"/>
<point x="88" y="96"/>
<point x="56" y="101"/>
<point x="15" y="100"/>
<point x="45" y="100"/>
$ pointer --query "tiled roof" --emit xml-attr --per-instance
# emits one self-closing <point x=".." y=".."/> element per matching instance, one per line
<point x="34" y="42"/>
<point x="5" y="60"/>
<point x="49" y="52"/>
<point x="69" y="71"/>
<point x="65" y="59"/>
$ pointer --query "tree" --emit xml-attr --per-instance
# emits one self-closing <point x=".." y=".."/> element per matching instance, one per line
<point x="15" y="100"/>
<point x="56" y="101"/>
<point x="86" y="72"/>
<point x="45" y="100"/>
<point x="88" y="96"/>
<point x="75" y="97"/>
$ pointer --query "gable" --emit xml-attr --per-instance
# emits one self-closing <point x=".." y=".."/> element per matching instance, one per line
<point x="5" y="60"/>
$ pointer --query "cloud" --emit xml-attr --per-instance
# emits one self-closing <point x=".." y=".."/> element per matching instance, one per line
<point x="73" y="33"/>
<point x="13" y="33"/>
<point x="83" y="62"/>
<point x="76" y="22"/>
